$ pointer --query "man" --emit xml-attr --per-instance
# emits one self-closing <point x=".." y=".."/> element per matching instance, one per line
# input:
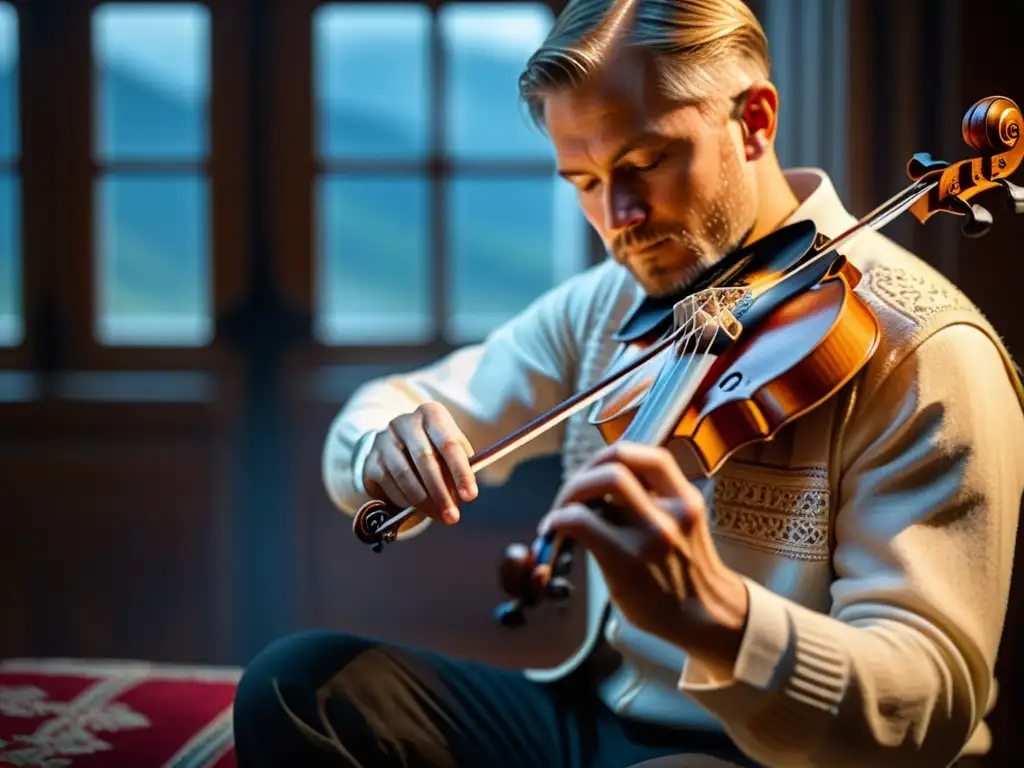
<point x="834" y="597"/>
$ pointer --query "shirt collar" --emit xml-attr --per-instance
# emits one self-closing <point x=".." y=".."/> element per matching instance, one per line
<point x="819" y="201"/>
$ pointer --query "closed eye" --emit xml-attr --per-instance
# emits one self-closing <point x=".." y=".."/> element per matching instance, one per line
<point x="590" y="183"/>
<point x="650" y="166"/>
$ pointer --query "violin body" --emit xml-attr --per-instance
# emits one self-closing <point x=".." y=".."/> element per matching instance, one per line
<point x="796" y="359"/>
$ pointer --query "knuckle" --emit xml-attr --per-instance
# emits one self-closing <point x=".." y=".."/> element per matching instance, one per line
<point x="431" y="408"/>
<point x="404" y="476"/>
<point x="422" y="454"/>
<point x="616" y="475"/>
<point x="451" y="445"/>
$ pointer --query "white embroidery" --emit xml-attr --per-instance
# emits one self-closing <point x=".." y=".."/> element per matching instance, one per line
<point x="771" y="517"/>
<point x="913" y="295"/>
<point x="73" y="726"/>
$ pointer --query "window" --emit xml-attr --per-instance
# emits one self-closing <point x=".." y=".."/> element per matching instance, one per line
<point x="438" y="212"/>
<point x="11" y="325"/>
<point x="151" y="146"/>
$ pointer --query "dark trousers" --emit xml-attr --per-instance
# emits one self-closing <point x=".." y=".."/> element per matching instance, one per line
<point x="323" y="698"/>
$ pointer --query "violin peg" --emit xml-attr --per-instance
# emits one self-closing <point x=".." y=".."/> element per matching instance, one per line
<point x="922" y="163"/>
<point x="516" y="569"/>
<point x="559" y="588"/>
<point x="1014" y="195"/>
<point x="563" y="564"/>
<point x="510" y="614"/>
<point x="977" y="222"/>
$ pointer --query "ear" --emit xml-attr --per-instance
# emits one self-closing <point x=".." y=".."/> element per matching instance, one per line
<point x="760" y="118"/>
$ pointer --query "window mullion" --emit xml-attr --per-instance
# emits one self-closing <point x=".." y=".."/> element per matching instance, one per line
<point x="438" y="183"/>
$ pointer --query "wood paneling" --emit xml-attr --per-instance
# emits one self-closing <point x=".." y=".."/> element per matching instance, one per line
<point x="916" y="67"/>
<point x="114" y="545"/>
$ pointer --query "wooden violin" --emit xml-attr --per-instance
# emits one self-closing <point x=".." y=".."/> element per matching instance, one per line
<point x="767" y="335"/>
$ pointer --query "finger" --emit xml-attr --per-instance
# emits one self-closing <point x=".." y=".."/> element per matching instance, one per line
<point x="454" y="448"/>
<point x="615" y="486"/>
<point x="376" y="474"/>
<point x="581" y="524"/>
<point x="427" y="465"/>
<point x="399" y="472"/>
<point x="654" y="467"/>
<point x="607" y="480"/>
<point x="393" y="491"/>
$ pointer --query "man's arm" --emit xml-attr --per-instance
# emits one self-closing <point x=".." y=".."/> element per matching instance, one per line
<point x="523" y="369"/>
<point x="900" y="671"/>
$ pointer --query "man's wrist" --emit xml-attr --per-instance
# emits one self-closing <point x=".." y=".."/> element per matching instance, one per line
<point x="715" y="622"/>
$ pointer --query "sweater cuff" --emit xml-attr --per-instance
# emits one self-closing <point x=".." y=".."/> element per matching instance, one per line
<point x="789" y="678"/>
<point x="361" y="453"/>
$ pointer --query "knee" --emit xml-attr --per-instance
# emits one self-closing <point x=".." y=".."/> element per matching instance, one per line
<point x="275" y="700"/>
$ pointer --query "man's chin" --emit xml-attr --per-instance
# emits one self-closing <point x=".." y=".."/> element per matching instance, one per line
<point x="666" y="283"/>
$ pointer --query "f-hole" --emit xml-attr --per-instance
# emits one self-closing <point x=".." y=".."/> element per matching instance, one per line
<point x="730" y="382"/>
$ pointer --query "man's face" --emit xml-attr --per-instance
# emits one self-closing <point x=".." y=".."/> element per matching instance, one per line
<point x="667" y="187"/>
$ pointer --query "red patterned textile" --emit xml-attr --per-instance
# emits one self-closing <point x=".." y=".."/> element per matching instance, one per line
<point x="68" y="713"/>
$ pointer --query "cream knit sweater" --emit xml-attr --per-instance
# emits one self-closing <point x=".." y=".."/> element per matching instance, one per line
<point x="875" y="535"/>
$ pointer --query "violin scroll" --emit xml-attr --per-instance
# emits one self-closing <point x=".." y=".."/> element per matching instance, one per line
<point x="992" y="126"/>
<point x="369" y="519"/>
<point x="995" y="125"/>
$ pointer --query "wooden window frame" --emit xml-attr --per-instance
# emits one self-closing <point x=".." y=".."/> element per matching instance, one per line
<point x="21" y="167"/>
<point x="226" y="173"/>
<point x="296" y="169"/>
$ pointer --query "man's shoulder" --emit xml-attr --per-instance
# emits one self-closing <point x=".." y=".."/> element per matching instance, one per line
<point x="591" y="292"/>
<point x="911" y="299"/>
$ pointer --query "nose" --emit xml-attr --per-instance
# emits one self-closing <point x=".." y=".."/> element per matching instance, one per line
<point x="623" y="209"/>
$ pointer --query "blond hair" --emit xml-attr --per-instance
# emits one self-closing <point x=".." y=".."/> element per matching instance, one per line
<point x="706" y="51"/>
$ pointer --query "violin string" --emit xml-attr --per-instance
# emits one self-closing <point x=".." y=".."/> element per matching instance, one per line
<point x="527" y="433"/>
<point x="892" y="208"/>
<point x="684" y="334"/>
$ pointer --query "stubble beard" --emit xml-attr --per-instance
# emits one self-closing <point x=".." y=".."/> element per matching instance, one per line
<point x="726" y="225"/>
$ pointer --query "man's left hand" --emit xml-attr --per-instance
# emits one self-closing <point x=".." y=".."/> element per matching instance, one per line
<point x="655" y="550"/>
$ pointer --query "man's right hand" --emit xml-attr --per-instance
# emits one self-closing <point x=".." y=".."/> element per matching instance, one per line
<point x="422" y="460"/>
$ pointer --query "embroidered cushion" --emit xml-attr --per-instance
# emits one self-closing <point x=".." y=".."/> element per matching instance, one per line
<point x="61" y="713"/>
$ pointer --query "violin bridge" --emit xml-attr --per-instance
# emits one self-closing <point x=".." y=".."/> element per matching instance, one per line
<point x="707" y="313"/>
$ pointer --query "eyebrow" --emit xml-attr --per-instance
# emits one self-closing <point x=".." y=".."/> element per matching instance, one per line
<point x="640" y="142"/>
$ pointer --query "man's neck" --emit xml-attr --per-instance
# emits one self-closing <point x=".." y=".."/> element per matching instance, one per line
<point x="777" y="199"/>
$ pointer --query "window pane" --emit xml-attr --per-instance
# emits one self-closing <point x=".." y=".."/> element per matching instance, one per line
<point x="374" y="260"/>
<point x="372" y="80"/>
<point x="8" y="82"/>
<point x="152" y="256"/>
<point x="152" y="80"/>
<point x="486" y="48"/>
<point x="511" y="240"/>
<point x="10" y="261"/>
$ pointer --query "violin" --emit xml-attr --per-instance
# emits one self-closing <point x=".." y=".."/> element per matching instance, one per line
<point x="764" y="337"/>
